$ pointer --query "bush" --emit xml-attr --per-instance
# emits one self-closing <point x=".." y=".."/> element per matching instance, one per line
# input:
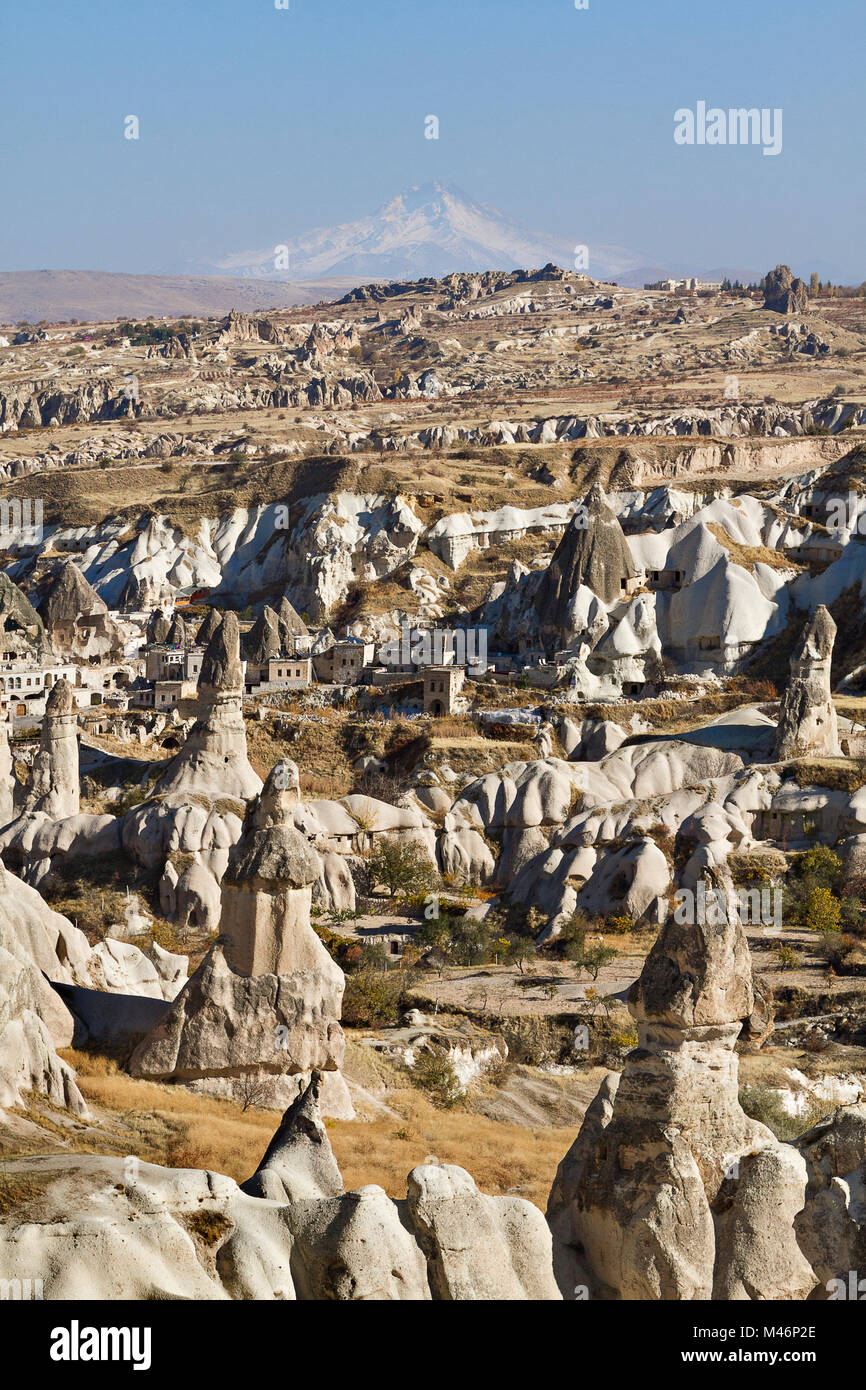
<point x="372" y="999"/>
<point x="375" y="995"/>
<point x="584" y="956"/>
<point x="620" y="926"/>
<point x="434" y="1073"/>
<point x="787" y="958"/>
<point x="813" y="898"/>
<point x="763" y="1104"/>
<point x="822" y="911"/>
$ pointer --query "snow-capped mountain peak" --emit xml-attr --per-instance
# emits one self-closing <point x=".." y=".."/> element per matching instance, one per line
<point x="431" y="229"/>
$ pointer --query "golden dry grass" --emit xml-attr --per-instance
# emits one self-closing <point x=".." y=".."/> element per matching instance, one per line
<point x="751" y="555"/>
<point x="325" y="771"/>
<point x="500" y="1157"/>
<point x="170" y="1125"/>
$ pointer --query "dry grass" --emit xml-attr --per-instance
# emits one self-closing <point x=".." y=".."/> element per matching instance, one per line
<point x="169" y="1125"/>
<point x="838" y="774"/>
<point x="19" y="1190"/>
<point x="500" y="1157"/>
<point x="750" y="555"/>
<point x="325" y="771"/>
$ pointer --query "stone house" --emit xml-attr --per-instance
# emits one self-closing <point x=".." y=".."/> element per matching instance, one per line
<point x="442" y="685"/>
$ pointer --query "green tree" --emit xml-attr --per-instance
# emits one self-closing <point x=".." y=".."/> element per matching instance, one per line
<point x="521" y="952"/>
<point x="402" y="866"/>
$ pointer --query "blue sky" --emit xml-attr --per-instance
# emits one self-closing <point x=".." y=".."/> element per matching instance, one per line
<point x="258" y="124"/>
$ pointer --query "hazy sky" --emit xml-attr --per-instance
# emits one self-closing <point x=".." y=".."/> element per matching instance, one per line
<point x="257" y="124"/>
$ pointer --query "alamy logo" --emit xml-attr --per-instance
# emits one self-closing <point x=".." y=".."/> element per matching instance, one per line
<point x="736" y="126"/>
<point x="854" y="1289"/>
<point x="77" y="1343"/>
<point x="436" y="646"/>
<point x="21" y="1290"/>
<point x="20" y="521"/>
<point x="846" y="514"/>
<point x="708" y="906"/>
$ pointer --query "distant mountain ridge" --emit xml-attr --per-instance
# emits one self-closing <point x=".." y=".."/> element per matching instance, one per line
<point x="92" y="296"/>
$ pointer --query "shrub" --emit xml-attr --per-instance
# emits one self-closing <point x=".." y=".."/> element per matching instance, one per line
<point x="787" y="958"/>
<point x="209" y="1226"/>
<point x="624" y="1039"/>
<point x="620" y="926"/>
<point x="764" y="1104"/>
<point x="375" y="997"/>
<point x="822" y="910"/>
<point x="434" y="1073"/>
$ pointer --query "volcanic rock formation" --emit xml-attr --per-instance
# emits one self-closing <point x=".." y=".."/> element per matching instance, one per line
<point x="54" y="787"/>
<point x="7" y="774"/>
<point x="265" y="1002"/>
<point x="670" y="1191"/>
<point x="77" y="619"/>
<point x="208" y="627"/>
<point x="783" y="293"/>
<point x="290" y="1232"/>
<point x="21" y="626"/>
<point x="291" y="625"/>
<point x="262" y="643"/>
<point x="593" y="552"/>
<point x="807" y="716"/>
<point x="213" y="761"/>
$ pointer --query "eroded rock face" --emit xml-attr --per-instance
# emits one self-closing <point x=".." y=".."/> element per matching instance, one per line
<point x="264" y="1005"/>
<point x="783" y="293"/>
<point x="670" y="1191"/>
<point x="267" y="889"/>
<point x="7" y="775"/>
<point x="208" y="627"/>
<point x="593" y="552"/>
<point x="832" y="1228"/>
<point x="77" y="619"/>
<point x="21" y="626"/>
<point x="262" y="642"/>
<point x="290" y="624"/>
<point x="54" y="787"/>
<point x="299" y="1162"/>
<point x="28" y="1060"/>
<point x="807" y="716"/>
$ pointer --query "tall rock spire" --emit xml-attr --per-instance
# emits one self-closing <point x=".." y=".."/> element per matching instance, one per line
<point x="54" y="787"/>
<point x="670" y="1190"/>
<point x="594" y="553"/>
<point x="213" y="761"/>
<point x="807" y="716"/>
